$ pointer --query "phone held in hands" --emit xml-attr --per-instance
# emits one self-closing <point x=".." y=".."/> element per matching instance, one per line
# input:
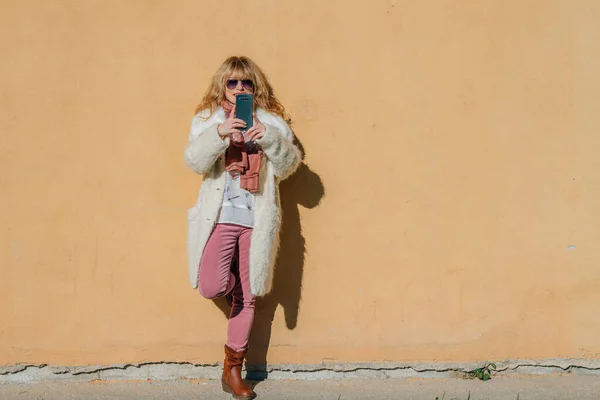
<point x="244" y="105"/>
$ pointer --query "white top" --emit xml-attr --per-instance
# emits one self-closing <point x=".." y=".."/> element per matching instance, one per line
<point x="237" y="203"/>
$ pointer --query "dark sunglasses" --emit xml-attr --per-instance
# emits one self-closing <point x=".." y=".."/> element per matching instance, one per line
<point x="246" y="84"/>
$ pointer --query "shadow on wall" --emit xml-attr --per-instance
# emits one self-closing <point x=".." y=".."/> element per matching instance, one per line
<point x="303" y="188"/>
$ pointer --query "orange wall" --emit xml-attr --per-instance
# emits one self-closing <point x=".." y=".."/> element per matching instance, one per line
<point x="449" y="206"/>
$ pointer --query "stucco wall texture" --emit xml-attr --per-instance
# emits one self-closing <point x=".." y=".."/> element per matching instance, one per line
<point x="447" y="209"/>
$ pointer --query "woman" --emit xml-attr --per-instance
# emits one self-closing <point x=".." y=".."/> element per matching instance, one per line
<point x="238" y="208"/>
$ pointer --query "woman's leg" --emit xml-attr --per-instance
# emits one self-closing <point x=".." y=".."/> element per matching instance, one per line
<point x="240" y="323"/>
<point x="215" y="276"/>
<point x="242" y="311"/>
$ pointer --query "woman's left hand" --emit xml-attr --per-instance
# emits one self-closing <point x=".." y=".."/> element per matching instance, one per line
<point x="257" y="131"/>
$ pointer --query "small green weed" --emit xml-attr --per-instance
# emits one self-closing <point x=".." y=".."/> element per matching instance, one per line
<point x="484" y="373"/>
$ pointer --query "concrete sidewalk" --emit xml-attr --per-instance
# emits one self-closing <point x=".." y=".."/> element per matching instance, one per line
<point x="569" y="387"/>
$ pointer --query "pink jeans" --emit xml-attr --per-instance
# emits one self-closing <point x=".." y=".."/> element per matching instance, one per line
<point x="217" y="279"/>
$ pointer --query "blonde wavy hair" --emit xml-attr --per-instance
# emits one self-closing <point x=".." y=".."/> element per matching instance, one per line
<point x="242" y="67"/>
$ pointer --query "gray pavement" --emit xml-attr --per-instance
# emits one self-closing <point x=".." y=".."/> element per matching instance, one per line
<point x="500" y="387"/>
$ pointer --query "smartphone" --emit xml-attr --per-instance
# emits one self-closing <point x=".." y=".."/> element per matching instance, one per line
<point x="244" y="107"/>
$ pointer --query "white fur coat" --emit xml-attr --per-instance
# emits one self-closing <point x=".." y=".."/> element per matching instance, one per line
<point x="205" y="154"/>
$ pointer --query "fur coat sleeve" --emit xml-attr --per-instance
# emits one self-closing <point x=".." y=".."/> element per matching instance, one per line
<point x="278" y="145"/>
<point x="204" y="144"/>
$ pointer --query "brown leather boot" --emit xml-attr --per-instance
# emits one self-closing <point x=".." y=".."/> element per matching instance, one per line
<point x="231" y="380"/>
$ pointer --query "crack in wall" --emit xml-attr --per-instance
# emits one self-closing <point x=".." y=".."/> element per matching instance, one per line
<point x="171" y="370"/>
<point x="566" y="369"/>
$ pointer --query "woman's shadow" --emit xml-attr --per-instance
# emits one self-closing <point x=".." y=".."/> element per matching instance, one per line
<point x="303" y="188"/>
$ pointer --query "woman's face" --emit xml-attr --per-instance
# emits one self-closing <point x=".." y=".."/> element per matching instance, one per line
<point x="236" y="85"/>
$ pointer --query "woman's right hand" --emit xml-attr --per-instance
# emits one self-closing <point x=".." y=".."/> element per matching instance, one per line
<point x="231" y="125"/>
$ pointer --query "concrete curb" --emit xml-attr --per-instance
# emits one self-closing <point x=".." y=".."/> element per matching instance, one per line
<point x="183" y="370"/>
